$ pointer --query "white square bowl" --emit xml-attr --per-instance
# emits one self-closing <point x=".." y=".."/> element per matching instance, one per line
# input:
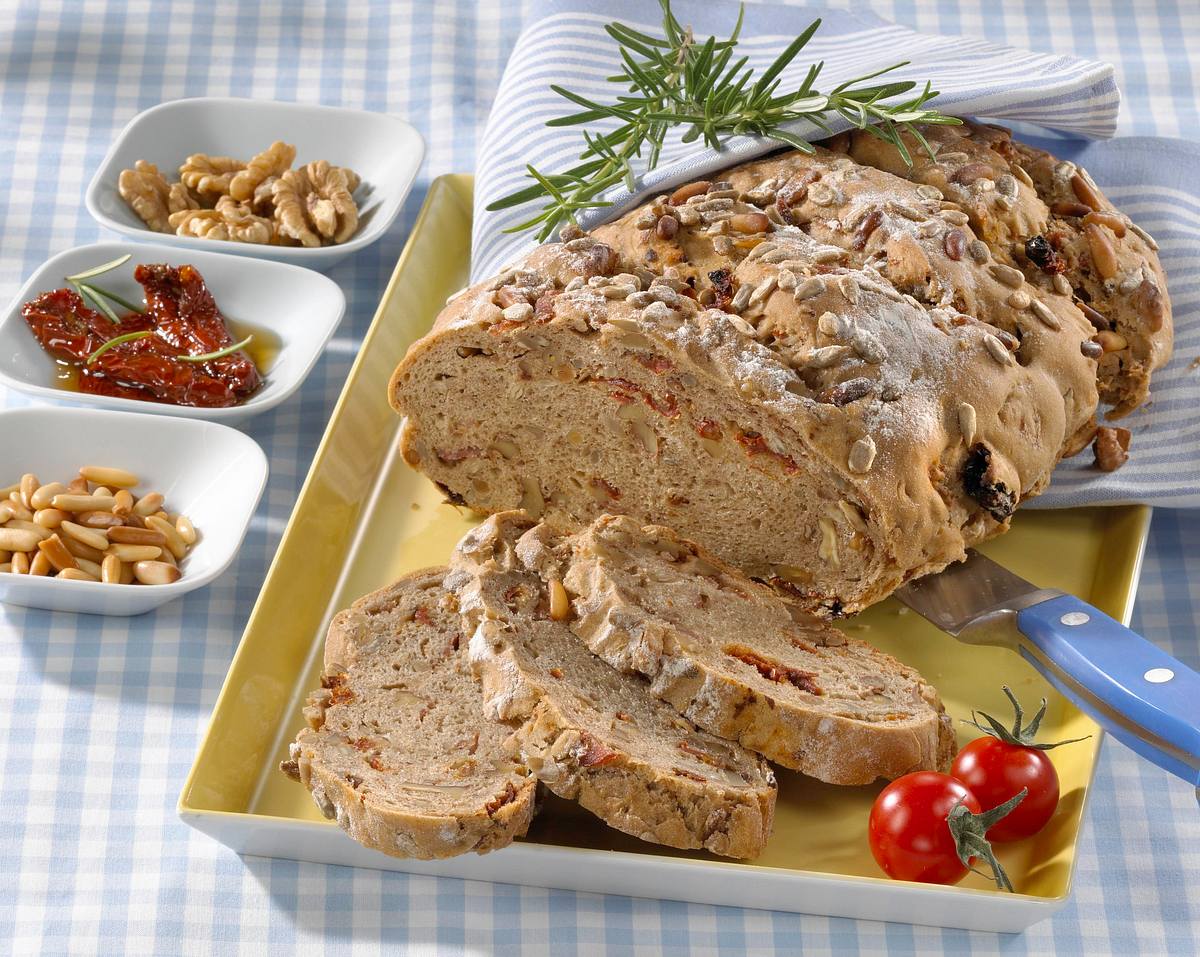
<point x="384" y="150"/>
<point x="211" y="473"/>
<point x="300" y="307"/>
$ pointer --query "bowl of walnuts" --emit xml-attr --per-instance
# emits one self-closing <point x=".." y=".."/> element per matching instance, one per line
<point x="288" y="181"/>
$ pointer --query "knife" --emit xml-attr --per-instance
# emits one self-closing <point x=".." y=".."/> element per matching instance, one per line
<point x="1133" y="689"/>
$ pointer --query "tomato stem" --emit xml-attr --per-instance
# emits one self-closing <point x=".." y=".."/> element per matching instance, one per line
<point x="1021" y="735"/>
<point x="970" y="836"/>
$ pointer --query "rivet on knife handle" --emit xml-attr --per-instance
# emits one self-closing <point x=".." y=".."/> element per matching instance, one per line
<point x="1131" y="687"/>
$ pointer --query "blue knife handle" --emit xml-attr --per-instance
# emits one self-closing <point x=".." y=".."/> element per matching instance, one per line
<point x="1131" y="688"/>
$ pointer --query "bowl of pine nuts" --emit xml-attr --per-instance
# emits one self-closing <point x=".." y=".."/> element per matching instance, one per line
<point x="116" y="513"/>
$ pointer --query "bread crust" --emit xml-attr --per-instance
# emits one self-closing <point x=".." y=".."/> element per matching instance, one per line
<point x="358" y="799"/>
<point x="591" y="734"/>
<point x="840" y="346"/>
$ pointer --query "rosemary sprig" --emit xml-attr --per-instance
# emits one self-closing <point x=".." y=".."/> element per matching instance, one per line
<point x="219" y="354"/>
<point x="677" y="80"/>
<point x="100" y="297"/>
<point x="116" y="341"/>
<point x="134" y="336"/>
<point x="102" y="268"/>
<point x="90" y="292"/>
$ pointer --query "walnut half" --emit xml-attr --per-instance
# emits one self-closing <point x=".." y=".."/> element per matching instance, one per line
<point x="313" y="205"/>
<point x="147" y="192"/>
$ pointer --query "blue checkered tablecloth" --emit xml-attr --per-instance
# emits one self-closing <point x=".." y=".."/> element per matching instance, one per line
<point x="100" y="718"/>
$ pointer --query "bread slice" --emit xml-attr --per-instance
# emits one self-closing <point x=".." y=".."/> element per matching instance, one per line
<point x="735" y="657"/>
<point x="741" y="661"/>
<point x="590" y="733"/>
<point x="396" y="750"/>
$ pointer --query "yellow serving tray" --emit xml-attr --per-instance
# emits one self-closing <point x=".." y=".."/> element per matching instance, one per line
<point x="363" y="518"/>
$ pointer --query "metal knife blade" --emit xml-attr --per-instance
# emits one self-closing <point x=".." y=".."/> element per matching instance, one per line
<point x="969" y="595"/>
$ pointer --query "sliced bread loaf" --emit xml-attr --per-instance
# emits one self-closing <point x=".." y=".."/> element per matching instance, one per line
<point x="731" y="654"/>
<point x="589" y="732"/>
<point x="397" y="750"/>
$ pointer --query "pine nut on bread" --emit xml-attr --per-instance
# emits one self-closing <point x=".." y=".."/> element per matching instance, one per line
<point x="397" y="750"/>
<point x="846" y="398"/>
<point x="591" y="733"/>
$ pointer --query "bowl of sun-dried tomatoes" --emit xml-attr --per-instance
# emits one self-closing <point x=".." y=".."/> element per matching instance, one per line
<point x="156" y="329"/>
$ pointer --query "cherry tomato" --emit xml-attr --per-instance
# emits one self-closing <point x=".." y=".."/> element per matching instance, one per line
<point x="995" y="770"/>
<point x="908" y="832"/>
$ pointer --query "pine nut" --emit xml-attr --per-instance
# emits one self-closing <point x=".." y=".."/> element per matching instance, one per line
<point x="127" y="577"/>
<point x="71" y="502"/>
<point x="78" y="486"/>
<point x="40" y="565"/>
<point x="76" y="575"/>
<point x="1111" y="220"/>
<point x="1109" y="342"/>
<point x="9" y="489"/>
<point x="126" y="535"/>
<point x="55" y="552"/>
<point x="155" y="573"/>
<point x="80" y="550"/>
<point x="148" y="504"/>
<point x="749" y="223"/>
<point x="29" y="485"/>
<point x="122" y="503"/>
<point x="1084" y="192"/>
<point x="118" y="478"/>
<point x="98" y="519"/>
<point x="89" y="536"/>
<point x="90" y="567"/>
<point x="6" y="568"/>
<point x="102" y="491"/>
<point x="20" y="563"/>
<point x="688" y="190"/>
<point x="5" y="555"/>
<point x="176" y="544"/>
<point x="18" y="540"/>
<point x="6" y="512"/>
<point x="560" y="604"/>
<point x="133" y="553"/>
<point x="44" y="495"/>
<point x="110" y="570"/>
<point x="1064" y="208"/>
<point x="186" y="530"/>
<point x="17" y="509"/>
<point x="1104" y="257"/>
<point x="38" y="530"/>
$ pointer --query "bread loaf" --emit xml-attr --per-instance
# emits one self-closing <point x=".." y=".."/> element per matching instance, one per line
<point x="397" y="750"/>
<point x="832" y="376"/>
<point x="590" y="733"/>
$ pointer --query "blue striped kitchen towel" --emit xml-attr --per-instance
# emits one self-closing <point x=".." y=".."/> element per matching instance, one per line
<point x="1155" y="181"/>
